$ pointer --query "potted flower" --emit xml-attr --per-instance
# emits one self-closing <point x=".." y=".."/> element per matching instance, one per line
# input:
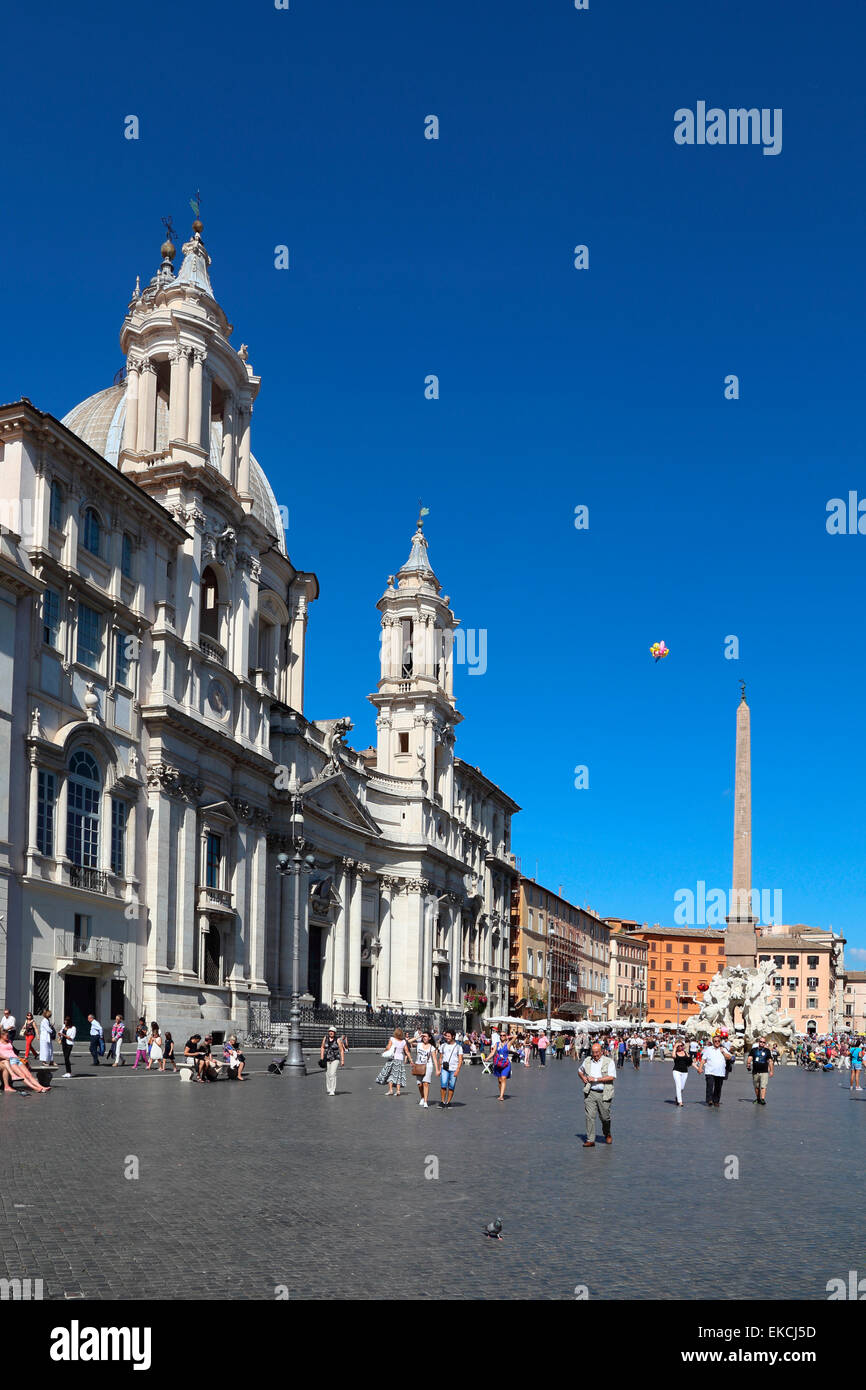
<point x="475" y="1003"/>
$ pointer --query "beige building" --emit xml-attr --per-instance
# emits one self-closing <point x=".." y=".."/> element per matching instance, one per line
<point x="808" y="975"/>
<point x="543" y="923"/>
<point x="628" y="972"/>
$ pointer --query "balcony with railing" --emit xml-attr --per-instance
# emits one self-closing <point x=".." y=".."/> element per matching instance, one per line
<point x="99" y="949"/>
<point x="217" y="899"/>
<point x="94" y="880"/>
<point x="212" y="650"/>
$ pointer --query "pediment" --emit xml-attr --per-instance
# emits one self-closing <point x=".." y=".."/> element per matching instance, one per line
<point x="333" y="798"/>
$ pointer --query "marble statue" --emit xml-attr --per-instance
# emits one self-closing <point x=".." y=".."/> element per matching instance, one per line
<point x="334" y="739"/>
<point x="741" y="988"/>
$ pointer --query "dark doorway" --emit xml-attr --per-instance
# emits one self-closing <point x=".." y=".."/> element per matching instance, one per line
<point x="212" y="953"/>
<point x="79" y="1000"/>
<point x="117" y="1000"/>
<point x="366" y="984"/>
<point x="314" y="964"/>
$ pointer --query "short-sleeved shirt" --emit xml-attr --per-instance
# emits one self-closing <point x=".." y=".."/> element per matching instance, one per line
<point x="761" y="1058"/>
<point x="714" y="1061"/>
<point x="856" y="1053"/>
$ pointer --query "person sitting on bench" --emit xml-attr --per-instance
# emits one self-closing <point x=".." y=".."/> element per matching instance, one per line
<point x="13" y="1069"/>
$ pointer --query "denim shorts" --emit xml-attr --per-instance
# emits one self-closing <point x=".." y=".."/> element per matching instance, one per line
<point x="447" y="1080"/>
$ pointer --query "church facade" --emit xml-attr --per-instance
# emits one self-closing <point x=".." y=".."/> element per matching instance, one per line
<point x="152" y="635"/>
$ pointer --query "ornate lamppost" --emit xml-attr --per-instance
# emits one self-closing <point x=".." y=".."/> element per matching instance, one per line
<point x="294" y="865"/>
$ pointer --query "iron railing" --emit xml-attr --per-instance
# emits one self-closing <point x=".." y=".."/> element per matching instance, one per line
<point x="268" y="1023"/>
<point x="92" y="879"/>
<point x="99" y="948"/>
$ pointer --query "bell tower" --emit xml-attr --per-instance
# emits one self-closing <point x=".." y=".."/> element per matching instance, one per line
<point x="189" y="393"/>
<point x="417" y="713"/>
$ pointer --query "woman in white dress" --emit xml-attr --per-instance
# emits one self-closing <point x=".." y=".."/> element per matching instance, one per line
<point x="424" y="1057"/>
<point x="155" y="1041"/>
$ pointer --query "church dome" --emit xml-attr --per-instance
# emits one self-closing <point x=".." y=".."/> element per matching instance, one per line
<point x="100" y="420"/>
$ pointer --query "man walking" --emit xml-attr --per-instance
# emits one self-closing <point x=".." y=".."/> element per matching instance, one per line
<point x="760" y="1063"/>
<point x="97" y="1045"/>
<point x="712" y="1064"/>
<point x="598" y="1074"/>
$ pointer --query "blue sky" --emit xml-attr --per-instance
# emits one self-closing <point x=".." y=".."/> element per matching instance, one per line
<point x="558" y="387"/>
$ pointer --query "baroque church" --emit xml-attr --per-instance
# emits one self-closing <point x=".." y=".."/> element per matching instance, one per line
<point x="156" y="757"/>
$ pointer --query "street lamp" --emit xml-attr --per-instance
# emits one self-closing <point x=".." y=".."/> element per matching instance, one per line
<point x="293" y="865"/>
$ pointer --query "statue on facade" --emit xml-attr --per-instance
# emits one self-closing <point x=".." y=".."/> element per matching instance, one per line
<point x="335" y="740"/>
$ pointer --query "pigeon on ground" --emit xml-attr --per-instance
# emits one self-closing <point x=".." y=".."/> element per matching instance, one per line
<point x="493" y="1229"/>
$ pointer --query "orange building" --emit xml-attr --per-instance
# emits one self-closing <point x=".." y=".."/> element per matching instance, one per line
<point x="679" y="959"/>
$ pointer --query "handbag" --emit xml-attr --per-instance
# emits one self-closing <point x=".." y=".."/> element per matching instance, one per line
<point x="419" y="1069"/>
<point x="322" y="1063"/>
<point x="389" y="1053"/>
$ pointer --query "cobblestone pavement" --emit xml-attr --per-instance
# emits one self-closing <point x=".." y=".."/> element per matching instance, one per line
<point x="243" y="1188"/>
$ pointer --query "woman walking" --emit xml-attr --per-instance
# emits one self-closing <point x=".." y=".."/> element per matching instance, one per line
<point x="140" y="1043"/>
<point x="333" y="1054"/>
<point x="682" y="1067"/>
<point x="117" y="1031"/>
<point x="67" y="1038"/>
<point x="542" y="1047"/>
<point x="394" y="1071"/>
<point x="155" y="1046"/>
<point x="29" y="1035"/>
<point x="425" y="1056"/>
<point x="501" y="1064"/>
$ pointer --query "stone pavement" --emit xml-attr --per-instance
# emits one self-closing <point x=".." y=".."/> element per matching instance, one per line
<point x="243" y="1188"/>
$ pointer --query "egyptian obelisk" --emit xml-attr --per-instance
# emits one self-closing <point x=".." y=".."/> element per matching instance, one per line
<point x="741" y="937"/>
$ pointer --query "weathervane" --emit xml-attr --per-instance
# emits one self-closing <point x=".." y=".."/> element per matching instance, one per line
<point x="169" y="229"/>
<point x="422" y="512"/>
<point x="195" y="204"/>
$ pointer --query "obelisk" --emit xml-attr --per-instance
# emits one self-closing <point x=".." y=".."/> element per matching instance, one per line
<point x="741" y="937"/>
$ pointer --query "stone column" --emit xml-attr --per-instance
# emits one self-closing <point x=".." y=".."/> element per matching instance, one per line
<point x="32" y="847"/>
<point x="147" y="409"/>
<point x="243" y="485"/>
<point x="410" y="982"/>
<point x="356" y="933"/>
<point x="206" y="396"/>
<point x="196" y="385"/>
<point x="341" y="931"/>
<point x="159" y="849"/>
<point x="387" y="885"/>
<point x="130" y="428"/>
<point x="179" y="395"/>
<point x="228" y="455"/>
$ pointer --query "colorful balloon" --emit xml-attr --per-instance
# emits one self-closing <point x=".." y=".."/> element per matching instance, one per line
<point x="659" y="650"/>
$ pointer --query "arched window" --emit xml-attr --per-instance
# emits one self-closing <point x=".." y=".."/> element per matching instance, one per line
<point x="91" y="532"/>
<point x="82" y="819"/>
<point x="209" y="618"/>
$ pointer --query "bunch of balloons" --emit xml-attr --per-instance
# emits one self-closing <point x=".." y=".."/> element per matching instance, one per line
<point x="702" y="986"/>
<point x="658" y="650"/>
